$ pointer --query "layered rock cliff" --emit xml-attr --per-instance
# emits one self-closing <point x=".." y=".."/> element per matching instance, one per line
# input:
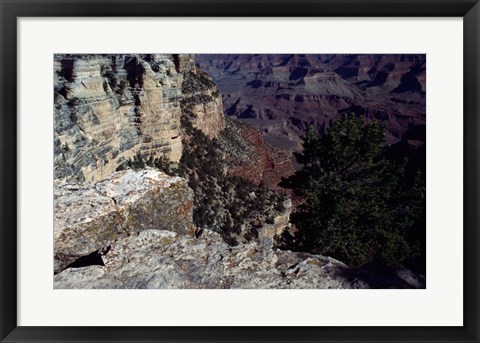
<point x="109" y="108"/>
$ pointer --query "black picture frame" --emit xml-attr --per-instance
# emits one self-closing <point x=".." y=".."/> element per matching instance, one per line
<point x="11" y="10"/>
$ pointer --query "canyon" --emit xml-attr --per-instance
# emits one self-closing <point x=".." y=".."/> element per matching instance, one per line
<point x="148" y="146"/>
<point x="283" y="94"/>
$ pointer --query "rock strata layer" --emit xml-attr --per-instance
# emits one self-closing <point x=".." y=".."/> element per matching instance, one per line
<point x="109" y="108"/>
<point x="90" y="218"/>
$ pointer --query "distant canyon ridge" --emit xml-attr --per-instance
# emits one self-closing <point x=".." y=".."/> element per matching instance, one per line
<point x="283" y="94"/>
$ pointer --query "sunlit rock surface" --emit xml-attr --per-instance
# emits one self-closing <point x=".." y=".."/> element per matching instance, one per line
<point x="165" y="259"/>
<point x="109" y="108"/>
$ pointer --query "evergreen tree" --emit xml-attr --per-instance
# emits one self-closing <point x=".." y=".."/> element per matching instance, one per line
<point x="359" y="206"/>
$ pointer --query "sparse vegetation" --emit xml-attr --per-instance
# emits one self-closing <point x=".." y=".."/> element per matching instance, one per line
<point x="196" y="82"/>
<point x="231" y="206"/>
<point x="228" y="205"/>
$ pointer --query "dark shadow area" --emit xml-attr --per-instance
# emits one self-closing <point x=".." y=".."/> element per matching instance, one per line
<point x="254" y="84"/>
<point x="93" y="259"/>
<point x="347" y="72"/>
<point x="413" y="148"/>
<point x="67" y="70"/>
<point x="249" y="112"/>
<point x="298" y="73"/>
<point x="379" y="79"/>
<point x="409" y="81"/>
<point x="379" y="276"/>
<point x="135" y="72"/>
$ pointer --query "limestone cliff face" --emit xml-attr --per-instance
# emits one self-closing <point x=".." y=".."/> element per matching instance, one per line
<point x="109" y="108"/>
<point x="202" y="103"/>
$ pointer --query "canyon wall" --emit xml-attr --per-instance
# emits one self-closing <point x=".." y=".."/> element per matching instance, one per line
<point x="110" y="108"/>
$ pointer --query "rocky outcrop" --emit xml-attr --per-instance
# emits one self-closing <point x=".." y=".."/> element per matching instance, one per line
<point x="90" y="218"/>
<point x="202" y="103"/>
<point x="165" y="259"/>
<point x="281" y="223"/>
<point x="109" y="108"/>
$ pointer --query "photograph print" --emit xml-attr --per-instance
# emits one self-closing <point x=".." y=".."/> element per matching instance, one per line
<point x="239" y="171"/>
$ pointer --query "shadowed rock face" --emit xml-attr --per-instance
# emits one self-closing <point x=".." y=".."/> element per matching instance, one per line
<point x="283" y="94"/>
<point x="91" y="218"/>
<point x="109" y="108"/>
<point x="164" y="259"/>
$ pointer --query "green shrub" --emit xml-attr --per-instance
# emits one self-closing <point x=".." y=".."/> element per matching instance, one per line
<point x="360" y="206"/>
